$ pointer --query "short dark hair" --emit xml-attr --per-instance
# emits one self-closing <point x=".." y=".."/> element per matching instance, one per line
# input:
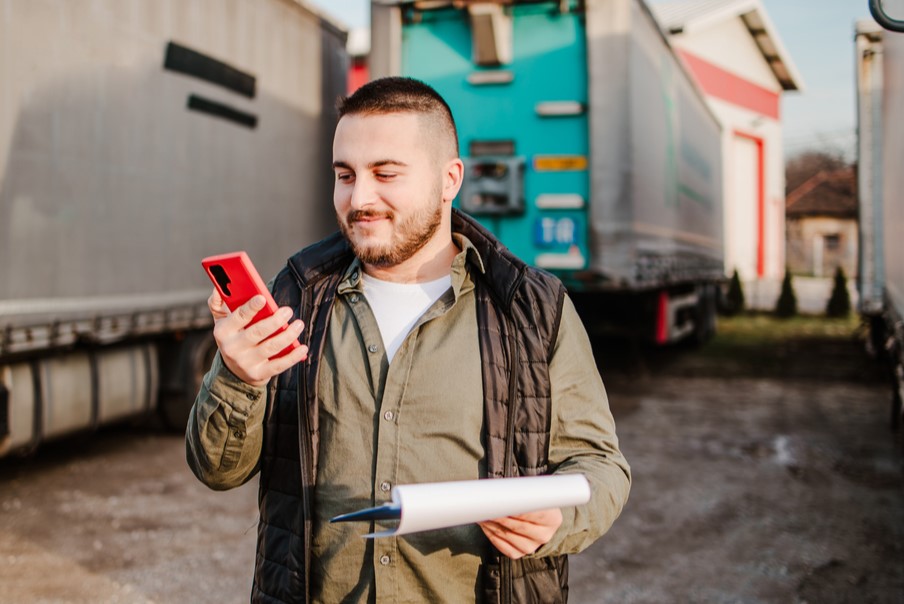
<point x="400" y="95"/>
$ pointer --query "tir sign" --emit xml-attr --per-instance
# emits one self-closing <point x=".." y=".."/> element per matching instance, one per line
<point x="550" y="232"/>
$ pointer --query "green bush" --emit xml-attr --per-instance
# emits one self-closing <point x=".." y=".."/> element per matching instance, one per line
<point x="733" y="303"/>
<point x="787" y="300"/>
<point x="840" y="301"/>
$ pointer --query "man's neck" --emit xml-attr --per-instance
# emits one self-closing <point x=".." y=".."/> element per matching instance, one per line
<point x="427" y="264"/>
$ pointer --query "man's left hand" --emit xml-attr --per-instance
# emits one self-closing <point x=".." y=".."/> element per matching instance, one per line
<point x="518" y="536"/>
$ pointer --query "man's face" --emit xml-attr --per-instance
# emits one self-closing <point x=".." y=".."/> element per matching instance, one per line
<point x="388" y="192"/>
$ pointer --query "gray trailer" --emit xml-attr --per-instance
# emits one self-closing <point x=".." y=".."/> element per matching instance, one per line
<point x="588" y="148"/>
<point x="880" y="151"/>
<point x="135" y="139"/>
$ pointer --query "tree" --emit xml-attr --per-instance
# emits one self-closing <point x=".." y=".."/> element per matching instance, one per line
<point x="840" y="301"/>
<point x="733" y="302"/>
<point x="787" y="300"/>
<point x="803" y="166"/>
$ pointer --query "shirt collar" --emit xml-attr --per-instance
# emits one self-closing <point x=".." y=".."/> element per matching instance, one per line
<point x="351" y="280"/>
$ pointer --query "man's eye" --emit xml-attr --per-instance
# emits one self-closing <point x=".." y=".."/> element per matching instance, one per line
<point x="385" y="175"/>
<point x="343" y="176"/>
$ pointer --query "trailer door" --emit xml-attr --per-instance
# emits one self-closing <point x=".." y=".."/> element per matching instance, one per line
<point x="515" y="78"/>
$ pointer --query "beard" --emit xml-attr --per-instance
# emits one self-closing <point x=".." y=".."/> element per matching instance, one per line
<point x="409" y="234"/>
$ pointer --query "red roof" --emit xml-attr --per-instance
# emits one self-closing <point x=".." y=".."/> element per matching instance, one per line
<point x="827" y="193"/>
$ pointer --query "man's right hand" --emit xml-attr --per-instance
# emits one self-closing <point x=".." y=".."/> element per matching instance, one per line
<point x="246" y="350"/>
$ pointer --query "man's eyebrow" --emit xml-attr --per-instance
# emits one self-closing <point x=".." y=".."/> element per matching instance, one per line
<point x="374" y="164"/>
<point x="386" y="162"/>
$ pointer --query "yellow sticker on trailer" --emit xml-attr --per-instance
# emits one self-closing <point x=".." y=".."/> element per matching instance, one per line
<point x="559" y="163"/>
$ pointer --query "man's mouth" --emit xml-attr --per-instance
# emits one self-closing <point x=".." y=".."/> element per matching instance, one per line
<point x="365" y="217"/>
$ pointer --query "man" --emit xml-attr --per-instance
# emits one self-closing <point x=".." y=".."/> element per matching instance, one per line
<point x="430" y="354"/>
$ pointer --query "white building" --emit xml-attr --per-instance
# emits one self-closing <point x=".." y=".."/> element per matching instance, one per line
<point x="741" y="66"/>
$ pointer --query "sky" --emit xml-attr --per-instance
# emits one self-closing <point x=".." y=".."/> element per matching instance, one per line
<point x="818" y="34"/>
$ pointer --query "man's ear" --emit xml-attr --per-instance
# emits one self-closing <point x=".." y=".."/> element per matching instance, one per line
<point x="453" y="173"/>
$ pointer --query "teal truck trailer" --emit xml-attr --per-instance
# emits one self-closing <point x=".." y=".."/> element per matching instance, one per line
<point x="588" y="149"/>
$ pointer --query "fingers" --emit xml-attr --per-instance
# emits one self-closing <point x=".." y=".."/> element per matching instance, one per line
<point x="249" y="351"/>
<point x="263" y="329"/>
<point x="237" y="322"/>
<point x="256" y="363"/>
<point x="249" y="310"/>
<point x="506" y="546"/>
<point x="518" y="536"/>
<point x="272" y="346"/>
<point x="274" y="366"/>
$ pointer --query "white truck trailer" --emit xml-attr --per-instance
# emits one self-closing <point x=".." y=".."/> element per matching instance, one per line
<point x="136" y="138"/>
<point x="880" y="153"/>
<point x="589" y="150"/>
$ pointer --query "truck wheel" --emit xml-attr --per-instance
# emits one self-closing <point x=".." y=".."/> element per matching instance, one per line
<point x="897" y="399"/>
<point x="183" y="364"/>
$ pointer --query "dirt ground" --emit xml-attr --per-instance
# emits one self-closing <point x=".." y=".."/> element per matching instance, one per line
<point x="764" y="471"/>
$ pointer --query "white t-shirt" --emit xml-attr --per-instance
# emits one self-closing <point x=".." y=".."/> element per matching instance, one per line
<point x="398" y="306"/>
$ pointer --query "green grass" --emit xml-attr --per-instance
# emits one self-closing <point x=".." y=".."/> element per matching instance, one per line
<point x="805" y="346"/>
<point x="764" y="328"/>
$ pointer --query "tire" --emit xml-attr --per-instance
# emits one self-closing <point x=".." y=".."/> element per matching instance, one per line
<point x="183" y="365"/>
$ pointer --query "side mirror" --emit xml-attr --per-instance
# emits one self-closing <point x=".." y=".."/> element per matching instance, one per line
<point x="879" y="10"/>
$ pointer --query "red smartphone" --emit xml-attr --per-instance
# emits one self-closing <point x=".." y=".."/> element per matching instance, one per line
<point x="238" y="281"/>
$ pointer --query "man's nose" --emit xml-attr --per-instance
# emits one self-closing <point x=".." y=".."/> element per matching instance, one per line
<point x="363" y="194"/>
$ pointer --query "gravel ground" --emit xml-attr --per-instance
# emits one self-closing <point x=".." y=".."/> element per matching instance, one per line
<point x="754" y="481"/>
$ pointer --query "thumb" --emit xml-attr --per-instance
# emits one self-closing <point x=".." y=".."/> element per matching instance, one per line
<point x="216" y="306"/>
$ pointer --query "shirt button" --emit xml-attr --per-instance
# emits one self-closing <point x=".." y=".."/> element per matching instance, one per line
<point x="238" y="434"/>
<point x="353" y="299"/>
<point x="388" y="416"/>
<point x="385" y="486"/>
<point x="372" y="348"/>
<point x="385" y="559"/>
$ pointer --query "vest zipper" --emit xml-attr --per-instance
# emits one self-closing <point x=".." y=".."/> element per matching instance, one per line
<point x="505" y="562"/>
<point x="304" y="452"/>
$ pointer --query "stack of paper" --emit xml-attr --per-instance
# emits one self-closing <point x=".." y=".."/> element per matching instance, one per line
<point x="436" y="505"/>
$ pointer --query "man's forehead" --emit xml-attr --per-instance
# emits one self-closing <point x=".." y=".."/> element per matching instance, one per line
<point x="396" y="132"/>
<point x="400" y="128"/>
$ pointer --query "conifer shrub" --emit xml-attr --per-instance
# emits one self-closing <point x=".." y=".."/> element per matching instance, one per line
<point x="839" y="304"/>
<point x="786" y="306"/>
<point x="733" y="302"/>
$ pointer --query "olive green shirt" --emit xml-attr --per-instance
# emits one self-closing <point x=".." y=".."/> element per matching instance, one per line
<point x="418" y="419"/>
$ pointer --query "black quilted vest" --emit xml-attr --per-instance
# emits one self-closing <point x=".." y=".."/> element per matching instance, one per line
<point x="519" y="309"/>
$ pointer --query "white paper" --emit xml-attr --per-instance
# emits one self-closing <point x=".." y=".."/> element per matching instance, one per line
<point x="437" y="505"/>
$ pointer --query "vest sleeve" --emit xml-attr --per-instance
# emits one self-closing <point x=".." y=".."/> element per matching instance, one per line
<point x="583" y="439"/>
<point x="224" y="433"/>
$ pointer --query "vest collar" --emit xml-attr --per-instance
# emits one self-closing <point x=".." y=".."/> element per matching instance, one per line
<point x="323" y="258"/>
<point x="503" y="270"/>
